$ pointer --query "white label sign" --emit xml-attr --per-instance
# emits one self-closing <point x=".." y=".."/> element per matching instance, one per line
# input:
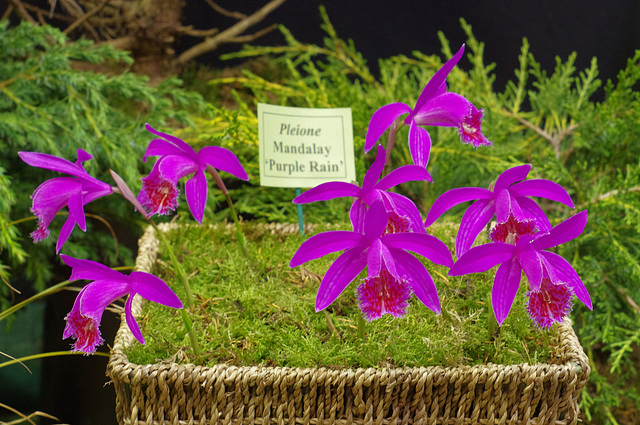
<point x="303" y="147"/>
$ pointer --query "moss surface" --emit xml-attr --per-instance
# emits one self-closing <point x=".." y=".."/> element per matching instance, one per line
<point x="260" y="311"/>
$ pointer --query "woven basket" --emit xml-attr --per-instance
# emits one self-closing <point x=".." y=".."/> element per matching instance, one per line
<point x="170" y="393"/>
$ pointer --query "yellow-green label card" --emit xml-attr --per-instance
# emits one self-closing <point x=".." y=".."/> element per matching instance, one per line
<point x="303" y="147"/>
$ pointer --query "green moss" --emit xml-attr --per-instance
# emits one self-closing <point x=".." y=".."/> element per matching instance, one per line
<point x="260" y="311"/>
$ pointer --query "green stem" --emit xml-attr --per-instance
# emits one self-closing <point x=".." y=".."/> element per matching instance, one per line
<point x="184" y="279"/>
<point x="232" y="209"/>
<point x="361" y="327"/>
<point x="492" y="324"/>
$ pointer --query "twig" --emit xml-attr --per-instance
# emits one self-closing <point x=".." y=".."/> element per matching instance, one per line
<point x="86" y="16"/>
<point x="554" y="139"/>
<point x="229" y="34"/>
<point x="20" y="9"/>
<point x="225" y="12"/>
<point x="7" y="12"/>
<point x="40" y="11"/>
<point x="189" y="30"/>
<point x="332" y="328"/>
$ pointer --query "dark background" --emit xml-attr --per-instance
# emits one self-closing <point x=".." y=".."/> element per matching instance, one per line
<point x="608" y="30"/>
<point x="72" y="387"/>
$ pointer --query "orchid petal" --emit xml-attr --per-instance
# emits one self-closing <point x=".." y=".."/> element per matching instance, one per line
<point x="427" y="246"/>
<point x="419" y="145"/>
<point x="422" y="283"/>
<point x="356" y="215"/>
<point x="325" y="243"/>
<point x="99" y="294"/>
<point x="567" y="273"/>
<point x="473" y="221"/>
<point x="52" y="195"/>
<point x="532" y="264"/>
<point x="326" y="191"/>
<point x="532" y="210"/>
<point x="403" y="174"/>
<point x="222" y="159"/>
<point x="131" y="321"/>
<point x="65" y="232"/>
<point x="53" y="163"/>
<point x="435" y="84"/>
<point x="569" y="229"/>
<point x="453" y="197"/>
<point x="544" y="189"/>
<point x="196" y="193"/>
<point x="446" y="110"/>
<point x="375" y="170"/>
<point x="378" y="258"/>
<point x="381" y="120"/>
<point x="507" y="205"/>
<point x="481" y="258"/>
<point x="505" y="288"/>
<point x="181" y="144"/>
<point x="375" y="220"/>
<point x="407" y="208"/>
<point x="76" y="210"/>
<point x="511" y="176"/>
<point x="83" y="155"/>
<point x="175" y="167"/>
<point x="154" y="289"/>
<point x="339" y="275"/>
<point x="90" y="270"/>
<point x="162" y="147"/>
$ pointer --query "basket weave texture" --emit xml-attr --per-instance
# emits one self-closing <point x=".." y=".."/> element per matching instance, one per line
<point x="171" y="393"/>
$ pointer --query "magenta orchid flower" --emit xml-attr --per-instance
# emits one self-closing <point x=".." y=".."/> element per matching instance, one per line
<point x="435" y="106"/>
<point x="83" y="321"/>
<point x="177" y="159"/>
<point x="504" y="199"/>
<point x="392" y="275"/>
<point x="547" y="272"/>
<point x="402" y="212"/>
<point x="52" y="195"/>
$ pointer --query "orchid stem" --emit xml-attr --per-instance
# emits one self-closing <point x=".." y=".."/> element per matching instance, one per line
<point x="492" y="324"/>
<point x="361" y="326"/>
<point x="239" y="235"/>
<point x="184" y="279"/>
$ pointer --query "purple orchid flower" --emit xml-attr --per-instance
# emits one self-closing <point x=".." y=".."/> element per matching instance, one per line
<point x="83" y="321"/>
<point x="504" y="199"/>
<point x="52" y="195"/>
<point x="403" y="213"/>
<point x="393" y="273"/>
<point x="545" y="271"/>
<point x="435" y="106"/>
<point x="177" y="159"/>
